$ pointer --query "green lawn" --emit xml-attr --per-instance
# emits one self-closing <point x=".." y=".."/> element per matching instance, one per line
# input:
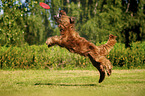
<point x="71" y="83"/>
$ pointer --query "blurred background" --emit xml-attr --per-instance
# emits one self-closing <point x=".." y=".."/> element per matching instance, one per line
<point x="25" y="26"/>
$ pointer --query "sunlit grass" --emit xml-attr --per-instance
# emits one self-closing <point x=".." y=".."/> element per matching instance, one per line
<point x="71" y="83"/>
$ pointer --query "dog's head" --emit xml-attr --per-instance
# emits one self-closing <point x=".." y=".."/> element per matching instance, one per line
<point x="63" y="20"/>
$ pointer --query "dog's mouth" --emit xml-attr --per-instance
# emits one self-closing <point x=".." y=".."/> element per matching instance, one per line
<point x="58" y="15"/>
<point x="56" y="18"/>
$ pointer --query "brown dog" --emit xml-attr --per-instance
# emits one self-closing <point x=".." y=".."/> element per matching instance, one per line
<point x="72" y="41"/>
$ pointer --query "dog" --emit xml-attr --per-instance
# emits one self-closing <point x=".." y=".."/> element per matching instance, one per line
<point x="74" y="43"/>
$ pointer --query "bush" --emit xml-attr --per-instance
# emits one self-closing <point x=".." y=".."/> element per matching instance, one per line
<point x="134" y="57"/>
<point x="41" y="57"/>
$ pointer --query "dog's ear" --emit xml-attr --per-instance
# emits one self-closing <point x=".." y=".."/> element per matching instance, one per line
<point x="72" y="20"/>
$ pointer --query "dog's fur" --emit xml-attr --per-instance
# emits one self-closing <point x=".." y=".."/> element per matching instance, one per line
<point x="106" y="48"/>
<point x="72" y="41"/>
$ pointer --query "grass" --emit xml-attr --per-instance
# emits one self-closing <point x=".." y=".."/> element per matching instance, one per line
<point x="71" y="83"/>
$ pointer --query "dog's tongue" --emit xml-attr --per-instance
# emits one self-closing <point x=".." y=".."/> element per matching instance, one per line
<point x="57" y="15"/>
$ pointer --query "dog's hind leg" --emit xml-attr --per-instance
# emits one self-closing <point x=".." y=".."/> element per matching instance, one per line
<point x="107" y="64"/>
<point x="99" y="66"/>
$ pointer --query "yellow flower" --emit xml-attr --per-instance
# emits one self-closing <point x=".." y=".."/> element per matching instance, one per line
<point x="36" y="2"/>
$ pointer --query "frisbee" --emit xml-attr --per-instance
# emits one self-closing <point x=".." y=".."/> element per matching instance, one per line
<point x="44" y="5"/>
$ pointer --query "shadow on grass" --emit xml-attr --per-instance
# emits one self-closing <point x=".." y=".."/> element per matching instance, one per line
<point x="62" y="84"/>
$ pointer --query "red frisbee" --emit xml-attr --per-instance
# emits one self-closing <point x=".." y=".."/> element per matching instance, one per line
<point x="44" y="5"/>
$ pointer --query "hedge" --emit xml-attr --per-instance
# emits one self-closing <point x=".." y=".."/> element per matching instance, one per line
<point x="42" y="57"/>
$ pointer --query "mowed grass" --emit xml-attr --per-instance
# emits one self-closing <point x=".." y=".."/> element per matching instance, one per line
<point x="71" y="83"/>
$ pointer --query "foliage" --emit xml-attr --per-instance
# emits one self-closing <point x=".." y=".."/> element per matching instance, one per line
<point x="27" y="24"/>
<point x="41" y="57"/>
<point x="19" y="25"/>
<point x="95" y="20"/>
<point x="127" y="57"/>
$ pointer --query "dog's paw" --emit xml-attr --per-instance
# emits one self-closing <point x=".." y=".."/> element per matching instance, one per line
<point x="109" y="72"/>
<point x="49" y="42"/>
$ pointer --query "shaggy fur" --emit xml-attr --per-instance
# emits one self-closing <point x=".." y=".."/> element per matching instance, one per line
<point x="72" y="41"/>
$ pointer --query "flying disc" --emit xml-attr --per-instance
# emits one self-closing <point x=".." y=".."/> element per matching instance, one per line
<point x="44" y="5"/>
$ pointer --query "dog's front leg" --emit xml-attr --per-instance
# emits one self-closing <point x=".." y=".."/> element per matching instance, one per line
<point x="55" y="40"/>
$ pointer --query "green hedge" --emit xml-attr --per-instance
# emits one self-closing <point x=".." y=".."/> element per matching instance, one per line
<point x="42" y="57"/>
<point x="128" y="57"/>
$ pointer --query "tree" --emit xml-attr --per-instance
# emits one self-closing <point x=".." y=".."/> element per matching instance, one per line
<point x="95" y="20"/>
<point x="20" y="23"/>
